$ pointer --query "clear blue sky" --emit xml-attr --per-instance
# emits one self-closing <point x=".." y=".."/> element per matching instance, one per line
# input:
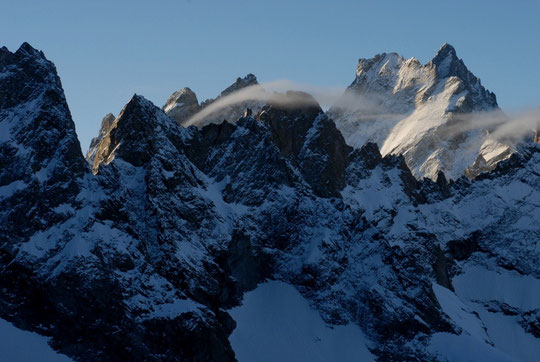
<point x="107" y="50"/>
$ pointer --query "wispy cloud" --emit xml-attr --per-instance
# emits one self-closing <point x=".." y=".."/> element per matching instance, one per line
<point x="274" y="92"/>
<point x="508" y="128"/>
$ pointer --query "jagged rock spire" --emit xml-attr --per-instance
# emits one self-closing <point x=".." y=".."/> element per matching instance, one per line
<point x="35" y="113"/>
<point x="183" y="104"/>
<point x="240" y="83"/>
<point x="307" y="137"/>
<point x="106" y="123"/>
<point x="134" y="134"/>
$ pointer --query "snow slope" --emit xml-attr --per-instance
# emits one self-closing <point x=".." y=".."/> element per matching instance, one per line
<point x="501" y="298"/>
<point x="464" y="348"/>
<point x="17" y="345"/>
<point x="275" y="323"/>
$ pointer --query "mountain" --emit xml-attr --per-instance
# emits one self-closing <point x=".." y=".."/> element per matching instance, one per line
<point x="427" y="113"/>
<point x="260" y="239"/>
<point x="183" y="104"/>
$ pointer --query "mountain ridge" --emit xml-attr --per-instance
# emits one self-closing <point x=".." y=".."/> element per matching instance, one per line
<point x="142" y="257"/>
<point x="183" y="104"/>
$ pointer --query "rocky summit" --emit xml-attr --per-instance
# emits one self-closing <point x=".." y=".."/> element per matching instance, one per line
<point x="282" y="230"/>
<point x="183" y="104"/>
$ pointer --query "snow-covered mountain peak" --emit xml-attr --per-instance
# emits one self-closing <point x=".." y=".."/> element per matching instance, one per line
<point x="386" y="84"/>
<point x="447" y="62"/>
<point x="30" y="71"/>
<point x="25" y="52"/>
<point x="36" y="126"/>
<point x="418" y="110"/>
<point x="445" y="51"/>
<point x="366" y="67"/>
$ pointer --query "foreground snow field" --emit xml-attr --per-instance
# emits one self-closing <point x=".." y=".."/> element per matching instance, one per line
<point x="17" y="345"/>
<point x="275" y="323"/>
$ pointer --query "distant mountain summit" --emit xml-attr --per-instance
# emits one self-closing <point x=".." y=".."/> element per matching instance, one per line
<point x="183" y="104"/>
<point x="240" y="83"/>
<point x="423" y="112"/>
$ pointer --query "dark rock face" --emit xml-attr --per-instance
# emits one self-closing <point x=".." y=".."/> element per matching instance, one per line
<point x="40" y="155"/>
<point x="141" y="258"/>
<point x="289" y="122"/>
<point x="310" y="140"/>
<point x="135" y="129"/>
<point x="463" y="249"/>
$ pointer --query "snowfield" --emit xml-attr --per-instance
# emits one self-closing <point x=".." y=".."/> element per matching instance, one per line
<point x="17" y="345"/>
<point x="275" y="323"/>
